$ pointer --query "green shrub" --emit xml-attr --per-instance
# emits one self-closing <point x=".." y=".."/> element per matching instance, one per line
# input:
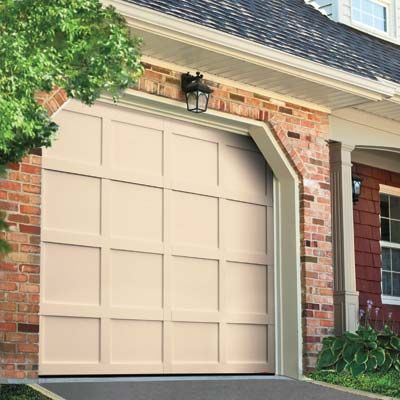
<point x="367" y="350"/>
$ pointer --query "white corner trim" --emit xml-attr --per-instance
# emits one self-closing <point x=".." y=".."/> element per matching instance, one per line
<point x="211" y="39"/>
<point x="391" y="300"/>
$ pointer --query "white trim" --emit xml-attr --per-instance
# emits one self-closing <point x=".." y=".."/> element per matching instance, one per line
<point x="390" y="190"/>
<point x="395" y="301"/>
<point x="213" y="40"/>
<point x="390" y="244"/>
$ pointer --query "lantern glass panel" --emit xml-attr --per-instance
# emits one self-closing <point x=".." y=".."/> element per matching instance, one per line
<point x="203" y="100"/>
<point x="191" y="99"/>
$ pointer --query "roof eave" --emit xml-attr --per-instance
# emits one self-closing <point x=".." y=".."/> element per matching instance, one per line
<point x="200" y="36"/>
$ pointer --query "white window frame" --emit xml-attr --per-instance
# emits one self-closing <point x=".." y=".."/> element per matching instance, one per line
<point x="391" y="191"/>
<point x="366" y="27"/>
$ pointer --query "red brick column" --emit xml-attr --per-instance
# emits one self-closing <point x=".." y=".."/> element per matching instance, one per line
<point x="19" y="271"/>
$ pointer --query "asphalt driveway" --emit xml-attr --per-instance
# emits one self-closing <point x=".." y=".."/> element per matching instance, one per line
<point x="214" y="388"/>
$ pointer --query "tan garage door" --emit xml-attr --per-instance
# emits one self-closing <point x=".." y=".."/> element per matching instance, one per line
<point x="157" y="248"/>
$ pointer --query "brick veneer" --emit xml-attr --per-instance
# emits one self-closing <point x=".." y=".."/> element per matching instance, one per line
<point x="367" y="238"/>
<point x="302" y="133"/>
<point x="20" y="270"/>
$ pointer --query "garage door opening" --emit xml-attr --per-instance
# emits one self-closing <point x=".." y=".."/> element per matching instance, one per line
<point x="157" y="248"/>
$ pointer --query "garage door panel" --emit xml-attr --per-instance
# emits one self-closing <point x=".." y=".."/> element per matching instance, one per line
<point x="247" y="343"/>
<point x="195" y="220"/>
<point x="246" y="227"/>
<point x="195" y="160"/>
<point x="70" y="340"/>
<point x="63" y="212"/>
<point x="246" y="287"/>
<point x="136" y="212"/>
<point x="79" y="268"/>
<point x="245" y="171"/>
<point x="77" y="128"/>
<point x="137" y="148"/>
<point x="195" y="284"/>
<point x="136" y="279"/>
<point x="167" y="256"/>
<point x="136" y="342"/>
<point x="195" y="343"/>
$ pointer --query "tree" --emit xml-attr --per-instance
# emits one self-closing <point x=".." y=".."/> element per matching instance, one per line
<point x="77" y="45"/>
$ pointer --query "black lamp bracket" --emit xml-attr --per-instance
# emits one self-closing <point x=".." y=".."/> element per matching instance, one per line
<point x="188" y="78"/>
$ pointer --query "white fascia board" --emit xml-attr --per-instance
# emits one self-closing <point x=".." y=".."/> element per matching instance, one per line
<point x="213" y="40"/>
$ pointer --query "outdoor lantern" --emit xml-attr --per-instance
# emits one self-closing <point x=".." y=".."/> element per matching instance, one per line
<point x="357" y="184"/>
<point x="196" y="92"/>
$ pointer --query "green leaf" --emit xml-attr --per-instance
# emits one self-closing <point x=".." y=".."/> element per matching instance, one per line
<point x="379" y="354"/>
<point x="395" y="342"/>
<point x="387" y="364"/>
<point x="372" y="364"/>
<point x="350" y="351"/>
<point x="326" y="359"/>
<point x="338" y="344"/>
<point x="357" y="369"/>
<point x="340" y="366"/>
<point x="327" y="341"/>
<point x="361" y="356"/>
<point x="353" y="337"/>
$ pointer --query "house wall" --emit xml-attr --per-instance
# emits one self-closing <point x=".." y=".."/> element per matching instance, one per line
<point x="367" y="238"/>
<point x="302" y="134"/>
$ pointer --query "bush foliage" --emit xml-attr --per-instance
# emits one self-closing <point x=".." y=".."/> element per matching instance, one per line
<point x="367" y="350"/>
<point x="77" y="45"/>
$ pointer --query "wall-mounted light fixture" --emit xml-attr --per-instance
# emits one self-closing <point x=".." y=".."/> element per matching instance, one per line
<point x="196" y="92"/>
<point x="357" y="185"/>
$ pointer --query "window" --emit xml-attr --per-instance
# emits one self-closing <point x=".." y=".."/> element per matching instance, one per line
<point x="390" y="242"/>
<point x="370" y="13"/>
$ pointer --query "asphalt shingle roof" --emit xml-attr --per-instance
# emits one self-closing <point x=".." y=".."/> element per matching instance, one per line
<point x="293" y="27"/>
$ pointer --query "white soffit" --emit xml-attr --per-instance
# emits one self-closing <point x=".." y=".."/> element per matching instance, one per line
<point x="387" y="108"/>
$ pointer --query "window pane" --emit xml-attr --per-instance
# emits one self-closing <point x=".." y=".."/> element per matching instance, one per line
<point x="379" y="24"/>
<point x="368" y="6"/>
<point x="368" y="19"/>
<point x="387" y="283"/>
<point x="395" y="231"/>
<point x="357" y="4"/>
<point x="385" y="233"/>
<point x="386" y="264"/>
<point x="394" y="207"/>
<point x="396" y="260"/>
<point x="356" y="15"/>
<point x="396" y="285"/>
<point x="385" y="205"/>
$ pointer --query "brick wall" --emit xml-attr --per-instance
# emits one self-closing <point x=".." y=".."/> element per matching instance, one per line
<point x="302" y="133"/>
<point x="20" y="271"/>
<point x="367" y="238"/>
